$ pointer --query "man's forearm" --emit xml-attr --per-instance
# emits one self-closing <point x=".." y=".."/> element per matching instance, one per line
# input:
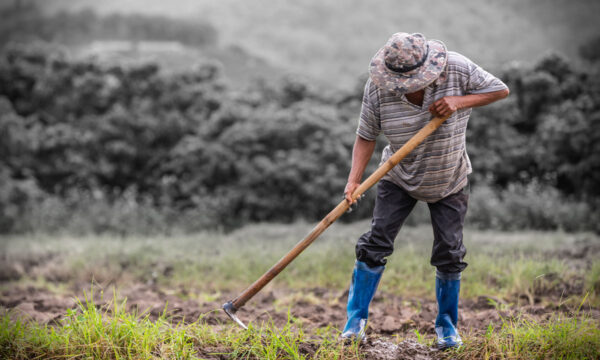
<point x="474" y="100"/>
<point x="361" y="154"/>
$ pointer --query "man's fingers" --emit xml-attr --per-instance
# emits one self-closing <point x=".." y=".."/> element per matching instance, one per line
<point x="353" y="204"/>
<point x="348" y="198"/>
<point x="442" y="108"/>
<point x="349" y="190"/>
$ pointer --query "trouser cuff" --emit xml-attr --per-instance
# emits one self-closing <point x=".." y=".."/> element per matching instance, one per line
<point x="447" y="275"/>
<point x="367" y="267"/>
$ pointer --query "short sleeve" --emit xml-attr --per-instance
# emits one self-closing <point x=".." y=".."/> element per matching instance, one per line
<point x="369" y="124"/>
<point x="481" y="81"/>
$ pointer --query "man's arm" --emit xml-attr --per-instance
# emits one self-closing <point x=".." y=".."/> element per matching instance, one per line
<point x="447" y="105"/>
<point x="361" y="154"/>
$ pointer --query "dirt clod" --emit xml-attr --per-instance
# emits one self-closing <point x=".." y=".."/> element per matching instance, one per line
<point x="408" y="349"/>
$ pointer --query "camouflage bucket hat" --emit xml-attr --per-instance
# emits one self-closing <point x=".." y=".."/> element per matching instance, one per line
<point x="407" y="63"/>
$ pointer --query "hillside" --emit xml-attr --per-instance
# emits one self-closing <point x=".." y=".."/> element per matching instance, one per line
<point x="334" y="40"/>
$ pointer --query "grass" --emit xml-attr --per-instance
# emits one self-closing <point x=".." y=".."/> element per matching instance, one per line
<point x="112" y="333"/>
<point x="510" y="269"/>
<point x="558" y="338"/>
<point x="501" y="264"/>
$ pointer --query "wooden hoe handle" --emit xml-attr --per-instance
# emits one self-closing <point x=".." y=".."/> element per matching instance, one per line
<point x="338" y="211"/>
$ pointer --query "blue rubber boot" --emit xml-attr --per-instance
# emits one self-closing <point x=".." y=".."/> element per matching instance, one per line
<point x="364" y="283"/>
<point x="447" y="288"/>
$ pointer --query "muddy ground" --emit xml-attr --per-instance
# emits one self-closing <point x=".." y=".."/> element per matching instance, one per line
<point x="391" y="318"/>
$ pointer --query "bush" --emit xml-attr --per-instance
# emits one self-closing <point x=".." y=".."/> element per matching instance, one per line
<point x="128" y="148"/>
<point x="82" y="212"/>
<point x="530" y="206"/>
<point x="18" y="198"/>
<point x="173" y="144"/>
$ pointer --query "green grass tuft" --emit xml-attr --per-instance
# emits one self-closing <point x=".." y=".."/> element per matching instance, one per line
<point x="560" y="337"/>
<point x="112" y="333"/>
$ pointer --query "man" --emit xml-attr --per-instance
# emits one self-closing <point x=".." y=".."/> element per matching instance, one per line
<point x="410" y="80"/>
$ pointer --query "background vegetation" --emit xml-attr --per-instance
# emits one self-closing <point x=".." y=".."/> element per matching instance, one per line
<point x="90" y="146"/>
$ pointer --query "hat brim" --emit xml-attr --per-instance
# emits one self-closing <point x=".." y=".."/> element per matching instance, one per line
<point x="411" y="81"/>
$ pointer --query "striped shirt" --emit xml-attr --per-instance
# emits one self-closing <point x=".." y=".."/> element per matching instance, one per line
<point x="439" y="166"/>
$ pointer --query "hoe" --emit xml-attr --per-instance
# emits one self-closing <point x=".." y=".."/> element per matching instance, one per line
<point x="231" y="307"/>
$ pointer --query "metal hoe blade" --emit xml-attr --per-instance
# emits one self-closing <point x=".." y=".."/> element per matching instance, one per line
<point x="230" y="310"/>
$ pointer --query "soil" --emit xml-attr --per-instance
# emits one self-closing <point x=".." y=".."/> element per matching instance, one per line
<point x="391" y="317"/>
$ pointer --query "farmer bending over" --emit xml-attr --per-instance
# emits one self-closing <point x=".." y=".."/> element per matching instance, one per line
<point x="411" y="79"/>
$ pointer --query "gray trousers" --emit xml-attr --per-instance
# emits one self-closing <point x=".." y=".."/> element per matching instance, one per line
<point x="392" y="207"/>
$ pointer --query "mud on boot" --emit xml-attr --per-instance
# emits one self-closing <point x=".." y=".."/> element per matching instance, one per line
<point x="356" y="332"/>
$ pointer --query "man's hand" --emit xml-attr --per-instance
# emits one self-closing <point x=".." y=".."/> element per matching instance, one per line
<point x="446" y="106"/>
<point x="349" y="190"/>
